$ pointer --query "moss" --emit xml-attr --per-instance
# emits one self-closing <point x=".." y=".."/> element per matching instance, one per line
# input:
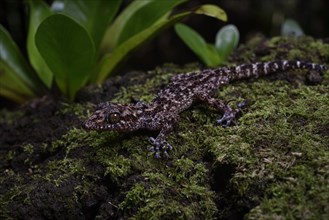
<point x="275" y="143"/>
<point x="303" y="193"/>
<point x="273" y="164"/>
<point x="179" y="192"/>
<point x="7" y="116"/>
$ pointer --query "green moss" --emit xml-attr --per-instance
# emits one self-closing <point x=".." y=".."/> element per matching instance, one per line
<point x="276" y="137"/>
<point x="76" y="109"/>
<point x="61" y="170"/>
<point x="179" y="192"/>
<point x="303" y="193"/>
<point x="8" y="117"/>
<point x="275" y="143"/>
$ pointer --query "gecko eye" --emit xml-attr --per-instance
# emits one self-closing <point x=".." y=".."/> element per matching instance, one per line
<point x="113" y="118"/>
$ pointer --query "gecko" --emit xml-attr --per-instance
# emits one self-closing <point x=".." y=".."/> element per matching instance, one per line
<point x="184" y="89"/>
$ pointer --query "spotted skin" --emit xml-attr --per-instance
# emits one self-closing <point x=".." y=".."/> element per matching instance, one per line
<point x="183" y="90"/>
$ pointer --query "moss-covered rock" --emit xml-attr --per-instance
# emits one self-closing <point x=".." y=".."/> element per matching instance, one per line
<point x="273" y="164"/>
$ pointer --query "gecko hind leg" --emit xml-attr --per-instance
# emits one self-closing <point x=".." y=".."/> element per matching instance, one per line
<point x="229" y="114"/>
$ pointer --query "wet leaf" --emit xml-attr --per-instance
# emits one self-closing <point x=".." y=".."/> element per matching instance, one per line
<point x="94" y="16"/>
<point x="38" y="12"/>
<point x="16" y="77"/>
<point x="68" y="50"/>
<point x="227" y="39"/>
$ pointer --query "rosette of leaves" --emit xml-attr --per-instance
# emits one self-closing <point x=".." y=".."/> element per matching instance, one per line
<point x="72" y="43"/>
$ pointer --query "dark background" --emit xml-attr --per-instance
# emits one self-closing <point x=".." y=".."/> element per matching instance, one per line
<point x="250" y="16"/>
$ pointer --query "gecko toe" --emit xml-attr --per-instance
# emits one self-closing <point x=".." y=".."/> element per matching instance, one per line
<point x="228" y="119"/>
<point x="243" y="104"/>
<point x="166" y="154"/>
<point x="159" y="148"/>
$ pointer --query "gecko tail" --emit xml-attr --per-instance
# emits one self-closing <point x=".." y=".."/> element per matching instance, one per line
<point x="260" y="69"/>
<point x="288" y="65"/>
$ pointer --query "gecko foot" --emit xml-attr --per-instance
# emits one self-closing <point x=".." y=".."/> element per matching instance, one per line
<point x="160" y="147"/>
<point x="230" y="115"/>
<point x="228" y="118"/>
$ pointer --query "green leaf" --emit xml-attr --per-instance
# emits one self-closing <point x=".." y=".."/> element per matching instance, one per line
<point x="291" y="27"/>
<point x="113" y="32"/>
<point x="212" y="57"/>
<point x="94" y="16"/>
<point x="192" y="39"/>
<point x="132" y="17"/>
<point x="38" y="12"/>
<point x="206" y="52"/>
<point x="12" y="87"/>
<point x="111" y="60"/>
<point x="227" y="39"/>
<point x="212" y="11"/>
<point x="145" y="17"/>
<point x="12" y="94"/>
<point x="68" y="50"/>
<point x="17" y="80"/>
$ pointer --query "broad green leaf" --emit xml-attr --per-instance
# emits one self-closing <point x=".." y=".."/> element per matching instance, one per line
<point x="12" y="95"/>
<point x="111" y="60"/>
<point x="12" y="87"/>
<point x="212" y="11"/>
<point x="291" y="27"/>
<point x="17" y="80"/>
<point x="227" y="39"/>
<point x="145" y="17"/>
<point x="206" y="52"/>
<point x="68" y="50"/>
<point x="38" y="12"/>
<point x="212" y="57"/>
<point x="193" y="40"/>
<point x="137" y="16"/>
<point x="113" y="32"/>
<point x="94" y="16"/>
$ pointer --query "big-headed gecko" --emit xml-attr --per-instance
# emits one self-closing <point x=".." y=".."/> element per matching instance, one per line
<point x="184" y="89"/>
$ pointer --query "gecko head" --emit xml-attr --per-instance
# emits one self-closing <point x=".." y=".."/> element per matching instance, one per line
<point x="115" y="117"/>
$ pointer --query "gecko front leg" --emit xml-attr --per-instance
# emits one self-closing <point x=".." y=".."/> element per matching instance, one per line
<point x="159" y="144"/>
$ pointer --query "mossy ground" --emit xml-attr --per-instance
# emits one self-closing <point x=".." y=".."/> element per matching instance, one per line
<point x="273" y="165"/>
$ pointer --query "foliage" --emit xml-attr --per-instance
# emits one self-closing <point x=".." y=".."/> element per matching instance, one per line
<point x="76" y="42"/>
<point x="16" y="76"/>
<point x="291" y="27"/>
<point x="227" y="39"/>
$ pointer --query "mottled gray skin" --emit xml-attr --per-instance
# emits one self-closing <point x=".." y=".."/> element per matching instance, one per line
<point x="184" y="89"/>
